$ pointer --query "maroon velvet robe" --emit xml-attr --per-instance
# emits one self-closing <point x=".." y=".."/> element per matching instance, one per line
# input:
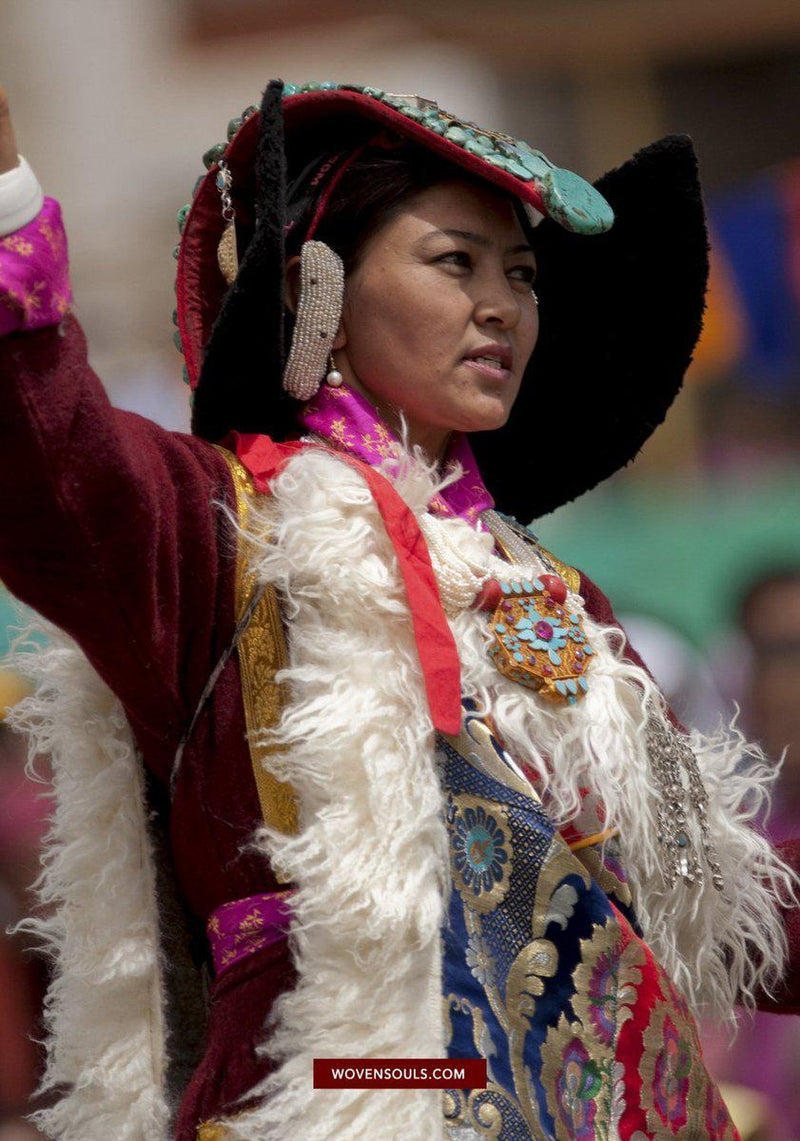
<point x="109" y="530"/>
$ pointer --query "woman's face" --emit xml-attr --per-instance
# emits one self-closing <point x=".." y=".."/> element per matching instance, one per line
<point x="439" y="319"/>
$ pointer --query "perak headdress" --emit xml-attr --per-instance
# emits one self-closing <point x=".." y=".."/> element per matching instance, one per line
<point x="622" y="270"/>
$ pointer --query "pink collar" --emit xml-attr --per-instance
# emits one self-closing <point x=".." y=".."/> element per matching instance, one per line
<point x="348" y="421"/>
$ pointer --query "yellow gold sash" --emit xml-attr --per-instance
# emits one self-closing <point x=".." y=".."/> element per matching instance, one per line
<point x="262" y="652"/>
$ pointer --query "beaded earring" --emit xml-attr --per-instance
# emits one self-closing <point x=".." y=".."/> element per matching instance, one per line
<point x="319" y="312"/>
<point x="334" y="378"/>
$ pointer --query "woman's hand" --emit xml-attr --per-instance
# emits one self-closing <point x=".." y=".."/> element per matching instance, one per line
<point x="8" y="144"/>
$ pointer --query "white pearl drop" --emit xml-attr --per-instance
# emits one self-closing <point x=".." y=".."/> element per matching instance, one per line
<point x="334" y="378"/>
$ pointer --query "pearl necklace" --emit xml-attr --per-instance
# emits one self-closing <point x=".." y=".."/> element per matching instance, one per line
<point x="460" y="579"/>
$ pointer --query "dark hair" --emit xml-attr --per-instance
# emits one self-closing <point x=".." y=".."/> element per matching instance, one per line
<point x="371" y="191"/>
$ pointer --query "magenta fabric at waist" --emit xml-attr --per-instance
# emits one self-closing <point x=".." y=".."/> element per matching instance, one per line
<point x="237" y="929"/>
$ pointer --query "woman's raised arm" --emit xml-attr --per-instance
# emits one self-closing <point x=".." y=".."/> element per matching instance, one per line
<point x="107" y="526"/>
<point x="8" y="143"/>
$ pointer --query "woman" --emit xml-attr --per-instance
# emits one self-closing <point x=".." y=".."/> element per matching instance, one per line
<point x="481" y="835"/>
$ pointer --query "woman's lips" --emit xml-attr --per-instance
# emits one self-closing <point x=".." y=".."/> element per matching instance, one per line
<point x="492" y="372"/>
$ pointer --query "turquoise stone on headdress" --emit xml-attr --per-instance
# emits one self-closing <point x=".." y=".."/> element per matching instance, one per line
<point x="570" y="200"/>
<point x="213" y="154"/>
<point x="182" y="215"/>
<point x="575" y="203"/>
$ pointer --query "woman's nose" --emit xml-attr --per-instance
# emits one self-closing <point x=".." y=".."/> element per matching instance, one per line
<point x="498" y="305"/>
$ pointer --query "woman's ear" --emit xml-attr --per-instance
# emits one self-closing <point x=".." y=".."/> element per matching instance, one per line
<point x="292" y="283"/>
<point x="340" y="340"/>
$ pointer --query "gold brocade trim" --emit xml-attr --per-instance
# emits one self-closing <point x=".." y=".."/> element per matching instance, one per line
<point x="570" y="576"/>
<point x="212" y="1131"/>
<point x="262" y="652"/>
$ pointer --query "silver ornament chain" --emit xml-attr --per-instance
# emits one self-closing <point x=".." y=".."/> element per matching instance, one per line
<point x="670" y="758"/>
<point x="518" y="541"/>
<point x="225" y="181"/>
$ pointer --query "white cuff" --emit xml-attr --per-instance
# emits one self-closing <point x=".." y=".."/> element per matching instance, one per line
<point x="21" y="198"/>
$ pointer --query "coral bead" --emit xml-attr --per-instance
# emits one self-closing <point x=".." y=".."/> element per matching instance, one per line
<point x="554" y="586"/>
<point x="490" y="595"/>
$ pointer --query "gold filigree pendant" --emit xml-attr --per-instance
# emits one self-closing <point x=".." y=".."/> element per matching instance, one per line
<point x="539" y="641"/>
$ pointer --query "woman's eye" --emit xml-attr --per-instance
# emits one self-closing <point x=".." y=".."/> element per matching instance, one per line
<point x="456" y="257"/>
<point x="526" y="273"/>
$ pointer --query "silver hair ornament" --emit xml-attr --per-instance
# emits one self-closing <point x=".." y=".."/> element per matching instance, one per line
<point x="227" y="253"/>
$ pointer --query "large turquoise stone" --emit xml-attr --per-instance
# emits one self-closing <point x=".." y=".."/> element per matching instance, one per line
<point x="575" y="203"/>
<point x="233" y="126"/>
<point x="182" y="215"/>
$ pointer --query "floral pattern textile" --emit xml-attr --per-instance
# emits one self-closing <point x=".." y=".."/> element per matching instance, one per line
<point x="243" y="926"/>
<point x="545" y="975"/>
<point x="34" y="273"/>
<point x="351" y="424"/>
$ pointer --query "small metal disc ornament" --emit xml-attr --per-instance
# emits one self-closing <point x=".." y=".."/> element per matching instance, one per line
<point x="539" y="641"/>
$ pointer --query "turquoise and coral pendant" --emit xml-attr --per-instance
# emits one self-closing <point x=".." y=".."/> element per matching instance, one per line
<point x="539" y="641"/>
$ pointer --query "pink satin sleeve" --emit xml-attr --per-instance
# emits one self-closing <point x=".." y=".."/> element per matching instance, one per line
<point x="34" y="273"/>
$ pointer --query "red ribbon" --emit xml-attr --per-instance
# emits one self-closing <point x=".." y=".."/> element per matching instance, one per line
<point x="264" y="459"/>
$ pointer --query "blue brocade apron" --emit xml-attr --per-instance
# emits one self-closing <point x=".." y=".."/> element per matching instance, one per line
<point x="545" y="975"/>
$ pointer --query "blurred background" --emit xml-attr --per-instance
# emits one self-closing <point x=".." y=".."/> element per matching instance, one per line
<point x="698" y="543"/>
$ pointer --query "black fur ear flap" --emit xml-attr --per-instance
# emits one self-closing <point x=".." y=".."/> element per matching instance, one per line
<point x="243" y="363"/>
<point x="620" y="314"/>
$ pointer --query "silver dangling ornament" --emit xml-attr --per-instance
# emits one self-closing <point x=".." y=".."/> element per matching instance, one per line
<point x="670" y="758"/>
<point x="227" y="252"/>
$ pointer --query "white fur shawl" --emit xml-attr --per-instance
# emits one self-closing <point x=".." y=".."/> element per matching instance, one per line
<point x="370" y="859"/>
